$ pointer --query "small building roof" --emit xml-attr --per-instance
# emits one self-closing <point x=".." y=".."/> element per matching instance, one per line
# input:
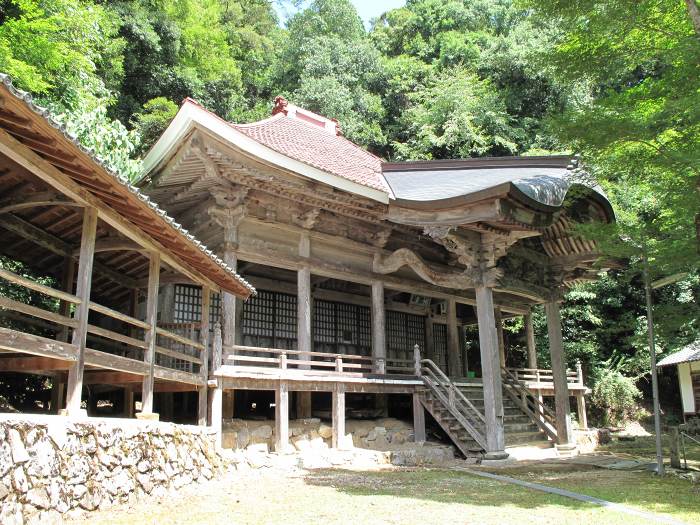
<point x="688" y="354"/>
<point x="34" y="126"/>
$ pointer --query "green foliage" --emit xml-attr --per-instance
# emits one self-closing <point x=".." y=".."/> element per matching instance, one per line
<point x="456" y="116"/>
<point x="65" y="50"/>
<point x="110" y="141"/>
<point x="152" y="121"/>
<point x="639" y="125"/>
<point x="615" y="395"/>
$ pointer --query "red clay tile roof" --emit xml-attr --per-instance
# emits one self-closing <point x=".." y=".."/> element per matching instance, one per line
<point x="317" y="147"/>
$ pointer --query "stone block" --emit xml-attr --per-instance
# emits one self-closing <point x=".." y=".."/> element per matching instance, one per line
<point x="147" y="416"/>
<point x="325" y="431"/>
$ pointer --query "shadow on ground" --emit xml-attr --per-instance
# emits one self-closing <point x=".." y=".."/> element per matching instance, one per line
<point x="640" y="490"/>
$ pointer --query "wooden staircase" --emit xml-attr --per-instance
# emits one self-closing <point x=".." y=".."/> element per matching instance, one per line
<point x="458" y="409"/>
<point x="461" y="420"/>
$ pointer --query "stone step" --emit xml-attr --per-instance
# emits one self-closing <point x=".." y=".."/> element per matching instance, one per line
<point x="514" y="428"/>
<point x="522" y="438"/>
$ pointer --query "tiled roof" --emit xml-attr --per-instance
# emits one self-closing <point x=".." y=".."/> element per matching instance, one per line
<point x="317" y="147"/>
<point x="688" y="354"/>
<point x="243" y="287"/>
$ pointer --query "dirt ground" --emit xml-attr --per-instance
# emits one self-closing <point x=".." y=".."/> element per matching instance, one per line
<point x="405" y="496"/>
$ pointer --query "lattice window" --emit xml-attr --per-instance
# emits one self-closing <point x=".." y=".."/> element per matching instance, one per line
<point x="188" y="305"/>
<point x="439" y="356"/>
<point x="325" y="323"/>
<point x="403" y="331"/>
<point x="270" y="315"/>
<point x="345" y="327"/>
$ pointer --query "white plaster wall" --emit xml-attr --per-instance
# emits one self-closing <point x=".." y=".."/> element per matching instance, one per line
<point x="686" y="387"/>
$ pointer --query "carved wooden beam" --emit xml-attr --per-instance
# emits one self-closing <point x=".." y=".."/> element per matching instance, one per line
<point x="405" y="257"/>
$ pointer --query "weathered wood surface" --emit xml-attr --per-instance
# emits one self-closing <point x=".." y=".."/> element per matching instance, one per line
<point x="33" y="285"/>
<point x="119" y="316"/>
<point x="561" y="389"/>
<point x="378" y="327"/>
<point x="338" y="415"/>
<point x="418" y="419"/>
<point x="281" y="417"/>
<point x="14" y="341"/>
<point x="530" y="338"/>
<point x="149" y="356"/>
<point x="11" y="304"/>
<point x="202" y="404"/>
<point x="491" y="371"/>
<point x="87" y="251"/>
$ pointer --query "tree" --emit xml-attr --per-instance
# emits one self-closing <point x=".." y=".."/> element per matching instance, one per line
<point x="428" y="41"/>
<point x="639" y="124"/>
<point x="328" y="65"/>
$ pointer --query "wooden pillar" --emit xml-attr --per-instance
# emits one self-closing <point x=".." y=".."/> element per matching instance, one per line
<point x="91" y="402"/>
<point x="128" y="402"/>
<point x="530" y="335"/>
<point x="378" y="327"/>
<point x="491" y="374"/>
<point x="581" y="410"/>
<point x="338" y="401"/>
<point x="561" y="387"/>
<point x="228" y="404"/>
<point x="304" y="316"/>
<point x="204" y="367"/>
<point x="463" y="351"/>
<point x="151" y="336"/>
<point x="58" y="392"/>
<point x="67" y="278"/>
<point x="217" y="401"/>
<point x="282" y="417"/>
<point x="501" y="340"/>
<point x="429" y="339"/>
<point x="453" y="349"/>
<point x="87" y="252"/>
<point x="304" y="301"/>
<point x="418" y="419"/>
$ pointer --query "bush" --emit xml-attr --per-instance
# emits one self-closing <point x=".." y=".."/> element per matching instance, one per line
<point x="616" y="396"/>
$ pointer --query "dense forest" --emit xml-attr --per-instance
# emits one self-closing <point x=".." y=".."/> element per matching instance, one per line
<point x="613" y="80"/>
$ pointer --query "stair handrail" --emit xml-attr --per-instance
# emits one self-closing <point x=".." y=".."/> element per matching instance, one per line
<point x="456" y="403"/>
<point x="536" y="410"/>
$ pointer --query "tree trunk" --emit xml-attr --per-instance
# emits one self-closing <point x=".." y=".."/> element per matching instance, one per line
<point x="694" y="12"/>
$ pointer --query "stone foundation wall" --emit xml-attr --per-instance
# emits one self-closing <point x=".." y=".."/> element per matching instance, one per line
<point x="378" y="434"/>
<point x="51" y="466"/>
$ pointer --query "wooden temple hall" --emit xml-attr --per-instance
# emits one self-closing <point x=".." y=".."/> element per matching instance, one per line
<point x="368" y="278"/>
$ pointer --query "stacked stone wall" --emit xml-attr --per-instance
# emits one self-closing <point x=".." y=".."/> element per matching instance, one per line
<point x="51" y="467"/>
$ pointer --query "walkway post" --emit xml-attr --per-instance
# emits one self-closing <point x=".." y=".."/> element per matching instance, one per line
<point x="75" y="372"/>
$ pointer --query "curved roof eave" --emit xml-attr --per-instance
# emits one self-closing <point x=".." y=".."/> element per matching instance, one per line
<point x="192" y="114"/>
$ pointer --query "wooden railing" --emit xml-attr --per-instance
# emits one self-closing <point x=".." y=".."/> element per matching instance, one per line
<point x="250" y="357"/>
<point x="451" y="397"/>
<point x="540" y="375"/>
<point x="124" y="350"/>
<point x="531" y="405"/>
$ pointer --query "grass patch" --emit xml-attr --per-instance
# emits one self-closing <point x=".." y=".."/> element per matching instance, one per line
<point x="645" y="446"/>
<point x="671" y="496"/>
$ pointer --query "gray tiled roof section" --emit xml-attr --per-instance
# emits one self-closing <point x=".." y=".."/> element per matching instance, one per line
<point x="543" y="184"/>
<point x="688" y="354"/>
